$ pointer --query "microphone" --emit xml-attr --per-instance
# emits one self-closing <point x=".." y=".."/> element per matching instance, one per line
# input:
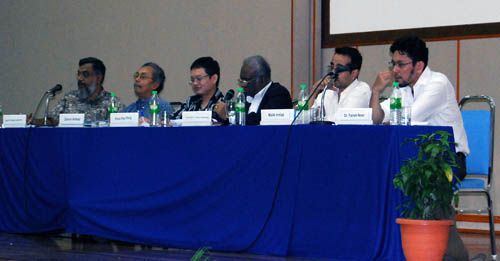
<point x="329" y="74"/>
<point x="47" y="95"/>
<point x="333" y="78"/>
<point x="333" y="75"/>
<point x="229" y="95"/>
<point x="55" y="89"/>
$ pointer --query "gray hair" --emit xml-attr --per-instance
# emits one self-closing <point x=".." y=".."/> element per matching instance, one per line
<point x="158" y="74"/>
<point x="259" y="64"/>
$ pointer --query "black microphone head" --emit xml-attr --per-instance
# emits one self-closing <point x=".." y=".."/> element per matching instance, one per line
<point x="333" y="74"/>
<point x="229" y="95"/>
<point x="57" y="88"/>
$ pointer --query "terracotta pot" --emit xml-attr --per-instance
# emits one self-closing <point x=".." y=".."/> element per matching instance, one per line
<point x="424" y="239"/>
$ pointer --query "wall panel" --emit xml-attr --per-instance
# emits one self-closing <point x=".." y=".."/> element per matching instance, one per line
<point x="43" y="41"/>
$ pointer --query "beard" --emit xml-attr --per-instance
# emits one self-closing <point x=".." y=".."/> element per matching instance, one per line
<point x="85" y="91"/>
<point x="405" y="83"/>
<point x="339" y="85"/>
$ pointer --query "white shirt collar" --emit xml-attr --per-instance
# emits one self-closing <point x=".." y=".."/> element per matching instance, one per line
<point x="422" y="80"/>
<point x="257" y="99"/>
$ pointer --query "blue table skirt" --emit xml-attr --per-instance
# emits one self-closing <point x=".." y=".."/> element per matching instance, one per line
<point x="229" y="188"/>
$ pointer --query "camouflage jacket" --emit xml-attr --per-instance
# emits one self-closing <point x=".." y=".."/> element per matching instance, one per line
<point x="193" y="103"/>
<point x="70" y="103"/>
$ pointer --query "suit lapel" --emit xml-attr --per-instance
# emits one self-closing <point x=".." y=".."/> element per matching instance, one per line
<point x="265" y="98"/>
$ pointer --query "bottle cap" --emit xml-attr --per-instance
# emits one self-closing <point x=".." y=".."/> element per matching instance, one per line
<point x="303" y="87"/>
<point x="155" y="92"/>
<point x="240" y="89"/>
<point x="113" y="94"/>
<point x="395" y="84"/>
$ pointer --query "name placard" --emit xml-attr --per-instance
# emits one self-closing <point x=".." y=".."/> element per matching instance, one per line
<point x="71" y="119"/>
<point x="196" y="118"/>
<point x="14" y="121"/>
<point x="277" y="116"/>
<point x="354" y="116"/>
<point x="127" y="119"/>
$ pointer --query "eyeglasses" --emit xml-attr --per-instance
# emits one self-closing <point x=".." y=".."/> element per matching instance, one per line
<point x="340" y="68"/>
<point x="400" y="65"/>
<point x="142" y="76"/>
<point x="197" y="79"/>
<point x="242" y="82"/>
<point x="84" y="74"/>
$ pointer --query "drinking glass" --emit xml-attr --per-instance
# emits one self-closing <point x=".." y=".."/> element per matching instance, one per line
<point x="231" y="112"/>
<point x="165" y="119"/>
<point x="315" y="113"/>
<point x="406" y="115"/>
<point x="90" y="119"/>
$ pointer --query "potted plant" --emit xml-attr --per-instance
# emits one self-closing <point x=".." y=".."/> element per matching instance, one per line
<point x="427" y="184"/>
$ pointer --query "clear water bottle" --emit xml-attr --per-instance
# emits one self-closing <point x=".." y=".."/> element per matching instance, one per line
<point x="154" y="110"/>
<point x="240" y="107"/>
<point x="113" y="108"/>
<point x="113" y="105"/>
<point x="303" y="106"/>
<point x="396" y="104"/>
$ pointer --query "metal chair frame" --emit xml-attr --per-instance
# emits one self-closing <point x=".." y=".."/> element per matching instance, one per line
<point x="486" y="190"/>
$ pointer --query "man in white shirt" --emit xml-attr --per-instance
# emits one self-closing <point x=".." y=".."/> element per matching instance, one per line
<point x="346" y="91"/>
<point x="432" y="99"/>
<point x="430" y="94"/>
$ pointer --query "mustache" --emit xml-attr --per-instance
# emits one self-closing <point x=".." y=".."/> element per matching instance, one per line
<point x="81" y="84"/>
<point x="136" y="85"/>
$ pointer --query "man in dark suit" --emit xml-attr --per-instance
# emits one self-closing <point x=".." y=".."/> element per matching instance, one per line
<point x="261" y="92"/>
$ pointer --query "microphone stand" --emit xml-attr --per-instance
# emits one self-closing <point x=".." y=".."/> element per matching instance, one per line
<point x="49" y="96"/>
<point x="334" y="74"/>
<point x="322" y="107"/>
<point x="45" y="119"/>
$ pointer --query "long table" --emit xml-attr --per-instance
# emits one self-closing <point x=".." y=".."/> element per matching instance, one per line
<point x="326" y="193"/>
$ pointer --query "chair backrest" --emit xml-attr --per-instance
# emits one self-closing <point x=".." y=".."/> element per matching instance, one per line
<point x="480" y="128"/>
<point x="477" y="127"/>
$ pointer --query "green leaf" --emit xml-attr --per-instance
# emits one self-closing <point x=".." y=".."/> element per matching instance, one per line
<point x="199" y="254"/>
<point x="423" y="179"/>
